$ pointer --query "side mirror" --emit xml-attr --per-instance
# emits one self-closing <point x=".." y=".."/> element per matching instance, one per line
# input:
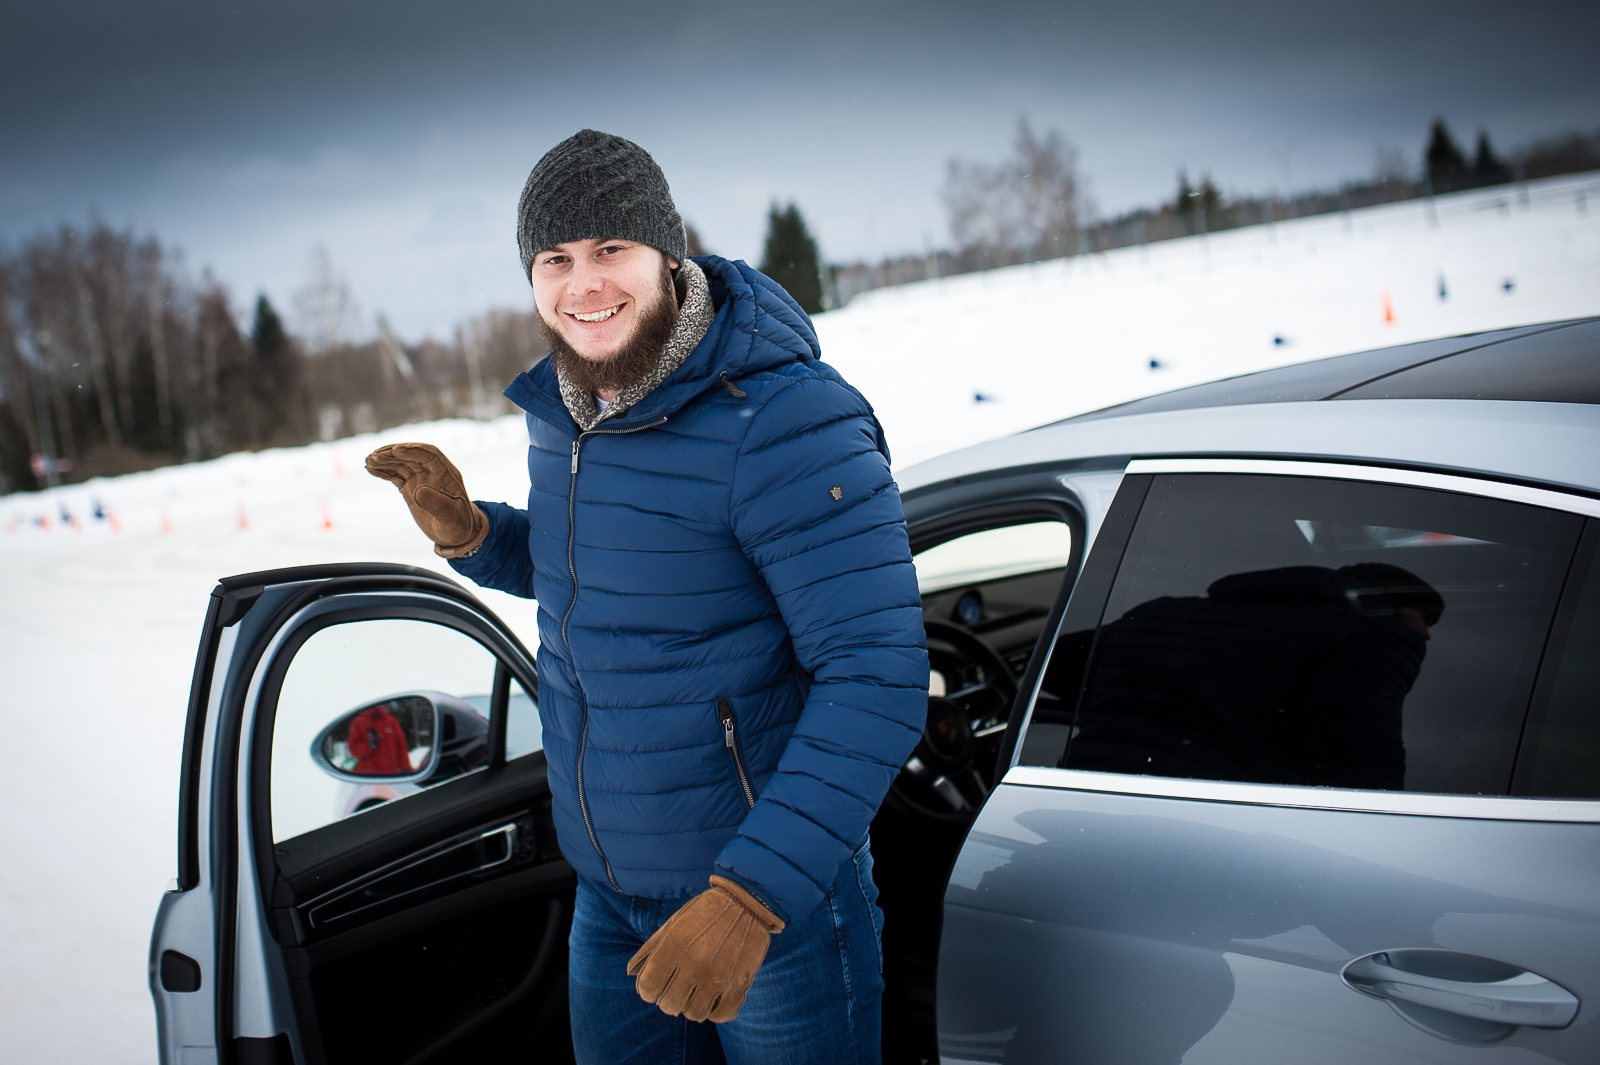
<point x="410" y="738"/>
<point x="391" y="741"/>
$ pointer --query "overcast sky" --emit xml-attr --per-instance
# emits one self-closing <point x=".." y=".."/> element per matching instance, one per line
<point x="398" y="134"/>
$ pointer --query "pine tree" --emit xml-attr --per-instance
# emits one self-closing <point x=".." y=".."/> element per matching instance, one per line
<point x="266" y="333"/>
<point x="791" y="257"/>
<point x="691" y="238"/>
<point x="1443" y="162"/>
<point x="1487" y="167"/>
<point x="275" y="377"/>
<point x="1186" y="194"/>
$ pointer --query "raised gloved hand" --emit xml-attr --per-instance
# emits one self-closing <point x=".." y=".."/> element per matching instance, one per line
<point x="701" y="961"/>
<point x="433" y="490"/>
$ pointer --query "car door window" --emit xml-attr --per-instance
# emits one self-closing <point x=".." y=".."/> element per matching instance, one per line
<point x="994" y="553"/>
<point x="375" y="710"/>
<point x="1313" y="631"/>
<point x="998" y="583"/>
<point x="1561" y="753"/>
<point x="523" y="732"/>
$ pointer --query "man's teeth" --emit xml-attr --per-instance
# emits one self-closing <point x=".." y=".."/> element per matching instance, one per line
<point x="598" y="316"/>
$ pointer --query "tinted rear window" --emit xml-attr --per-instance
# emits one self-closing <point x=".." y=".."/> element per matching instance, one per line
<point x="1323" y="632"/>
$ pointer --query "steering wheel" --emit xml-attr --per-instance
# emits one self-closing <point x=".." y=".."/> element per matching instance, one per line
<point x="939" y="780"/>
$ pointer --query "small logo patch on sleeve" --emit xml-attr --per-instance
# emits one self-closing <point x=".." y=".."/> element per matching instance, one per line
<point x="837" y="492"/>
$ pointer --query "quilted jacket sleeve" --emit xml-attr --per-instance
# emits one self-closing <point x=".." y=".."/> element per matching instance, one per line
<point x="502" y="560"/>
<point x="814" y="507"/>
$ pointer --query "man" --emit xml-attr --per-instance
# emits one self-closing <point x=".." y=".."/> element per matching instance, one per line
<point x="732" y="664"/>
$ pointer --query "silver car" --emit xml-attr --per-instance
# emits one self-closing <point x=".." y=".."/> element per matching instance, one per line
<point x="1264" y="726"/>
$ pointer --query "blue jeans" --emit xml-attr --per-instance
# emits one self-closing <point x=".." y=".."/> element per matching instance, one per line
<point x="815" y="1000"/>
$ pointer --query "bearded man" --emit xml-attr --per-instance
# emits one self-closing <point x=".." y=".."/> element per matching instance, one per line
<point x="731" y="664"/>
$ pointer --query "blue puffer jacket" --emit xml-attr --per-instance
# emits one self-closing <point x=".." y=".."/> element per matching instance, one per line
<point x="742" y="668"/>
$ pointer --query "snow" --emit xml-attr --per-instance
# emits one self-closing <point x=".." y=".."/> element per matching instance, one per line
<point x="99" y="618"/>
<point x="1044" y="341"/>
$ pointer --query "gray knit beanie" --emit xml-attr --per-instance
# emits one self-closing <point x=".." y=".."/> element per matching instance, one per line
<point x="596" y="185"/>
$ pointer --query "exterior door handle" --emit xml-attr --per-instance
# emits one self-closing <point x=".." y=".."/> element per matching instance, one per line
<point x="1421" y="983"/>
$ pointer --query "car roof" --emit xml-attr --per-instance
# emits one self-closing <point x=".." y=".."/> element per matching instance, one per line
<point x="1518" y="404"/>
<point x="1556" y="362"/>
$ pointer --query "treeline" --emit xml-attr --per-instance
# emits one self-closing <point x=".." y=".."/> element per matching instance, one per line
<point x="1030" y="206"/>
<point x="112" y="360"/>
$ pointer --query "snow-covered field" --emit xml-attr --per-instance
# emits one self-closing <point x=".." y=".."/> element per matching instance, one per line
<point x="99" y="617"/>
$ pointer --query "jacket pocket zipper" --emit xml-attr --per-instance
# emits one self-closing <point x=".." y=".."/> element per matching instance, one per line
<point x="731" y="740"/>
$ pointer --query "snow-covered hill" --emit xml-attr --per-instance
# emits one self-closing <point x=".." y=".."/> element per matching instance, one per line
<point x="1057" y="338"/>
<point x="99" y="617"/>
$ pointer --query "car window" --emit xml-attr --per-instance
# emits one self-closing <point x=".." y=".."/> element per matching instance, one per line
<point x="523" y="732"/>
<point x="1563" y="742"/>
<point x="997" y="583"/>
<point x="1313" y="631"/>
<point x="994" y="553"/>
<point x="375" y="710"/>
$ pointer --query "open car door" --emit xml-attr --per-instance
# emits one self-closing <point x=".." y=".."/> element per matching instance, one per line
<point x="367" y="866"/>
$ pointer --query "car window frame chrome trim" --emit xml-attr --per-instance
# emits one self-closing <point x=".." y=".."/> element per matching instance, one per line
<point x="1343" y="800"/>
<point x="1548" y="498"/>
<point x="1421" y="804"/>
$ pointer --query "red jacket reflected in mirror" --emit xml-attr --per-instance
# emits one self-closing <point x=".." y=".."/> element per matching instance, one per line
<point x="378" y="744"/>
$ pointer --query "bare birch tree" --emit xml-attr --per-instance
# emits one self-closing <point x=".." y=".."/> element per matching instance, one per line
<point x="1029" y="206"/>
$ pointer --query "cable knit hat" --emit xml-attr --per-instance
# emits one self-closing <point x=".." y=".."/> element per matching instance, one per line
<point x="596" y="185"/>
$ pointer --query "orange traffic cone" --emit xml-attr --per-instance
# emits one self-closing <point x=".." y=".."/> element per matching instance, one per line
<point x="327" y="515"/>
<point x="166" y="519"/>
<point x="1388" y="309"/>
<point x="112" y="520"/>
<point x="244" y="522"/>
<point x="338" y="466"/>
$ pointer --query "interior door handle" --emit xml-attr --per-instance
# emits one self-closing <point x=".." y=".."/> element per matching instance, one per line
<point x="1498" y="995"/>
<point x="497" y="846"/>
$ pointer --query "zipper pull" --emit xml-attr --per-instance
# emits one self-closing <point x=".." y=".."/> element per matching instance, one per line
<point x="727" y="732"/>
<point x="725" y="715"/>
<point x="575" y="455"/>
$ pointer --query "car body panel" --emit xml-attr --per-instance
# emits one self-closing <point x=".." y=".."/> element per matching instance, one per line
<point x="1101" y="927"/>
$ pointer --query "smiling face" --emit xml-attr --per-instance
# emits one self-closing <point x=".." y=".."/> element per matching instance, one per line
<point x="595" y="293"/>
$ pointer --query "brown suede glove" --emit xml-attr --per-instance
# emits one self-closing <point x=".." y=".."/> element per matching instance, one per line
<point x="700" y="963"/>
<point x="432" y="487"/>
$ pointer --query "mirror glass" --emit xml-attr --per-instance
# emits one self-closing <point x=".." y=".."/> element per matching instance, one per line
<point x="388" y="738"/>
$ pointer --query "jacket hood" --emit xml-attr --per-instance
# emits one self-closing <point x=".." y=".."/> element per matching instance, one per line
<point x="758" y="327"/>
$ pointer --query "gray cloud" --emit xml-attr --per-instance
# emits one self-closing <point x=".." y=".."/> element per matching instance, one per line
<point x="398" y="133"/>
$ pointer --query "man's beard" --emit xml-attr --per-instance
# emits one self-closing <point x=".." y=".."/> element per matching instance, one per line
<point x="639" y="354"/>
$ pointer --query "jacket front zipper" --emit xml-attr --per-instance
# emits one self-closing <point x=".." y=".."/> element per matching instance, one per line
<point x="731" y="740"/>
<point x="572" y="570"/>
